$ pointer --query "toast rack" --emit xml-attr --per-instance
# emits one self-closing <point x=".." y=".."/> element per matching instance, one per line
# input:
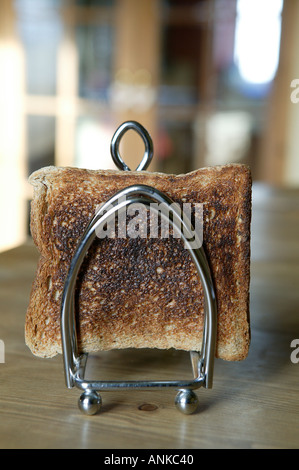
<point x="202" y="361"/>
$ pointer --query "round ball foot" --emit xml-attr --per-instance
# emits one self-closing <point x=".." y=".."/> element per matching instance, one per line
<point x="186" y="402"/>
<point x="90" y="403"/>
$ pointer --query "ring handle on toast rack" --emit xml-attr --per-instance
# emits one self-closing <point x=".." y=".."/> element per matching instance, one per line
<point x="202" y="362"/>
<point x="114" y="147"/>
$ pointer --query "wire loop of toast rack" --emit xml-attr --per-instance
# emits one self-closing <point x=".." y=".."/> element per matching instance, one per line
<point x="114" y="147"/>
<point x="202" y="360"/>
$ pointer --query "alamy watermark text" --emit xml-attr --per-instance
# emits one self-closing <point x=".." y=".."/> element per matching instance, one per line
<point x="295" y="93"/>
<point x="154" y="220"/>
<point x="2" y="352"/>
<point x="295" y="353"/>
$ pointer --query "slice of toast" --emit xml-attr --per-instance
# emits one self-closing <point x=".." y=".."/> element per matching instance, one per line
<point x="140" y="292"/>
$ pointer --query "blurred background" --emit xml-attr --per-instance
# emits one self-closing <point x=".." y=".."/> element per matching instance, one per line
<point x="213" y="81"/>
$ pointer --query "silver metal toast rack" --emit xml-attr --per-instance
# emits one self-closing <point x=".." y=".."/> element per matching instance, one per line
<point x="202" y="361"/>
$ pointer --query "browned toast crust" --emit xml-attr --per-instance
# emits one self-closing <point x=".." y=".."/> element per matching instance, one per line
<point x="140" y="293"/>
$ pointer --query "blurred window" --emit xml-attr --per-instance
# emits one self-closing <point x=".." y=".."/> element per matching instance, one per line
<point x="94" y="44"/>
<point x="40" y="30"/>
<point x="257" y="41"/>
<point x="97" y="3"/>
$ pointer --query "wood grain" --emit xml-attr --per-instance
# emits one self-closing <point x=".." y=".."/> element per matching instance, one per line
<point x="253" y="404"/>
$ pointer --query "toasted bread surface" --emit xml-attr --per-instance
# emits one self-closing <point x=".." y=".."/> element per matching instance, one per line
<point x="140" y="292"/>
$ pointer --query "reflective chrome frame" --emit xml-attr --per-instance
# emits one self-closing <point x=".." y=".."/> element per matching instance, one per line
<point x="202" y="360"/>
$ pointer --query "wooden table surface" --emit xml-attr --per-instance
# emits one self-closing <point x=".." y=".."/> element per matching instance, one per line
<point x="253" y="404"/>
